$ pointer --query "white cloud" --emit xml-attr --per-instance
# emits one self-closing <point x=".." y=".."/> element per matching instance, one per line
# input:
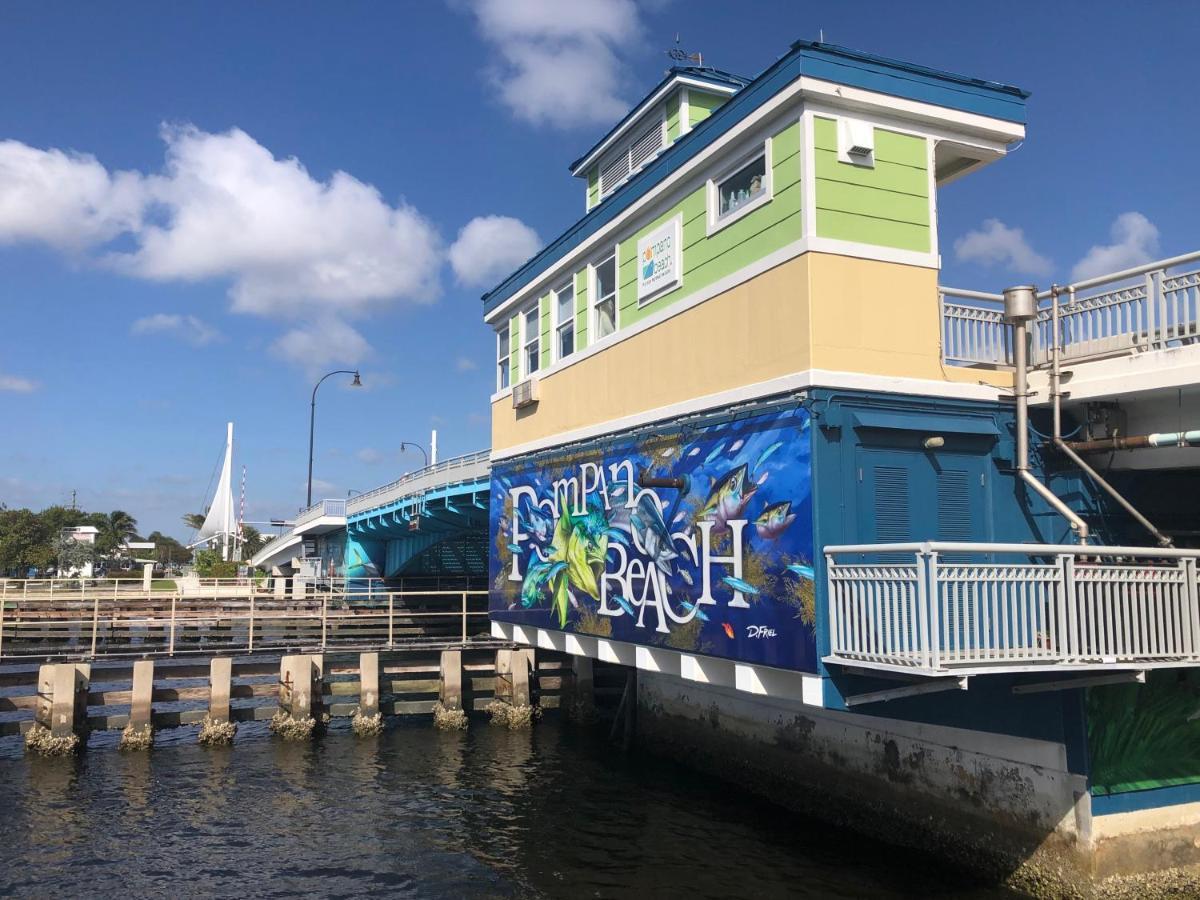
<point x="465" y="364"/>
<point x="994" y="243"/>
<point x="185" y="328"/>
<point x="326" y="342"/>
<point x="490" y="247"/>
<point x="1135" y="241"/>
<point x="371" y="456"/>
<point x="65" y="199"/>
<point x="15" y="385"/>
<point x="560" y="60"/>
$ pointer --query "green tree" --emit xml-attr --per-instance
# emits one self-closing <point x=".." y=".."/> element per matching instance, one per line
<point x="72" y="554"/>
<point x="193" y="520"/>
<point x="252" y="541"/>
<point x="24" y="541"/>
<point x="167" y="549"/>
<point x="116" y="529"/>
<point x="210" y="565"/>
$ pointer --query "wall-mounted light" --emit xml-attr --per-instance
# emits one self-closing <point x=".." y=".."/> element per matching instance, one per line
<point x="934" y="442"/>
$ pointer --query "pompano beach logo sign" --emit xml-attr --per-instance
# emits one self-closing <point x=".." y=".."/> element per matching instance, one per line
<point x="699" y="543"/>
<point x="658" y="266"/>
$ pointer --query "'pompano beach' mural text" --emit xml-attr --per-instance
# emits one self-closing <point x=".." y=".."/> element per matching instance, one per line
<point x="699" y="539"/>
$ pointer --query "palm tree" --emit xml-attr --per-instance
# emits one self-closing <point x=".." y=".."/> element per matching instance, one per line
<point x="193" y="520"/>
<point x="118" y="528"/>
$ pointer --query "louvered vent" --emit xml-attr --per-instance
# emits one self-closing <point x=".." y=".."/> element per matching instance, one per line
<point x="954" y="506"/>
<point x="614" y="171"/>
<point x="892" y="515"/>
<point x="645" y="147"/>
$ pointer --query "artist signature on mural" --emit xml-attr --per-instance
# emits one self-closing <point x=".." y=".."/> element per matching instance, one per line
<point x="759" y="631"/>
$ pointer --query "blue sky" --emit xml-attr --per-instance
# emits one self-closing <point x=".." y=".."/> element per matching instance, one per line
<point x="178" y="248"/>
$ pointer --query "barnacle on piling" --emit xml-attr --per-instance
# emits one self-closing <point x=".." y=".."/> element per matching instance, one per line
<point x="291" y="728"/>
<point x="513" y="717"/>
<point x="137" y="737"/>
<point x="39" y="740"/>
<point x="449" y="719"/>
<point x="366" y="726"/>
<point x="214" y="732"/>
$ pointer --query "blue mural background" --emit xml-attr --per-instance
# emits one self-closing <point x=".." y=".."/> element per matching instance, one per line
<point x="609" y="554"/>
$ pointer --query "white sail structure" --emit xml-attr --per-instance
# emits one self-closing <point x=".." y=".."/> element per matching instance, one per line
<point x="219" y="522"/>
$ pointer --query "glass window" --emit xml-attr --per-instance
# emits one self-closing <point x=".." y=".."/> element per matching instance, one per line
<point x="564" y="318"/>
<point x="606" y="297"/>
<point x="503" y="349"/>
<point x="746" y="184"/>
<point x="533" y="340"/>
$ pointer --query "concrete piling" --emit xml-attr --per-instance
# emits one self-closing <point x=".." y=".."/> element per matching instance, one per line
<point x="511" y="707"/>
<point x="139" y="733"/>
<point x="61" y="714"/>
<point x="449" y="713"/>
<point x="218" y="727"/>
<point x="368" y="720"/>
<point x="299" y="696"/>
<point x="580" y="700"/>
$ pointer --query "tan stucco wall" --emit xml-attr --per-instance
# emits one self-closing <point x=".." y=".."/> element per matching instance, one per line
<point x="815" y="311"/>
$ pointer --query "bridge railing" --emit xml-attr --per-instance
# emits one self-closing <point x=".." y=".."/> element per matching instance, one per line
<point x="458" y="468"/>
<point x="329" y="507"/>
<point x="950" y="608"/>
<point x="42" y="628"/>
<point x="1150" y="307"/>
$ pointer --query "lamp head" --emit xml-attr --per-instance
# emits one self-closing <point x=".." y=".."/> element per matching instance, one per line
<point x="357" y="382"/>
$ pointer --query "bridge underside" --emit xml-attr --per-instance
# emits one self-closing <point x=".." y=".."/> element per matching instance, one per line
<point x="440" y="533"/>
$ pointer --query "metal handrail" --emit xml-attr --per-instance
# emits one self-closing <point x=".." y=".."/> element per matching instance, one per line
<point x="362" y="501"/>
<point x="329" y="507"/>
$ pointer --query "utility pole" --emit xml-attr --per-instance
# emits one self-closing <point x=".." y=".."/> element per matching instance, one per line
<point x="72" y="499"/>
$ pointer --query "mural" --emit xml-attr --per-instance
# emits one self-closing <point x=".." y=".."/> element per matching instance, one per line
<point x="698" y="539"/>
<point x="360" y="556"/>
<point x="1143" y="736"/>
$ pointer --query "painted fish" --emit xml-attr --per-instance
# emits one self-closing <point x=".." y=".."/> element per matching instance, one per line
<point x="714" y="453"/>
<point x="774" y="520"/>
<point x="728" y="630"/>
<point x="679" y="516"/>
<point x="515" y="548"/>
<point x="651" y="532"/>
<point x="802" y="571"/>
<point x="736" y="445"/>
<point x="689" y="606"/>
<point x="536" y="522"/>
<point x="762" y="479"/>
<point x="668" y="451"/>
<point x="738" y="585"/>
<point x="624" y="604"/>
<point x="729" y="498"/>
<point x="686" y="576"/>
<point x="693" y="451"/>
<point x="762" y="457"/>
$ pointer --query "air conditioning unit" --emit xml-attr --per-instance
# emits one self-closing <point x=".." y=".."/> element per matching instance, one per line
<point x="525" y="393"/>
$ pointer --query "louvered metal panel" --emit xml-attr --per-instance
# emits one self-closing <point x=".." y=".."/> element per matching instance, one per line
<point x="645" y="147"/>
<point x="892" y="509"/>
<point x="614" y="171"/>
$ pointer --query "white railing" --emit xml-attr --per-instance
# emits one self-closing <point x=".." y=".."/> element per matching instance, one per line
<point x="1136" y="310"/>
<point x="320" y="509"/>
<point x="468" y="467"/>
<point x="939" y="608"/>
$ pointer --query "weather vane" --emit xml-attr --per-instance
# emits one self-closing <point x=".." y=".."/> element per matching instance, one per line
<point x="678" y="54"/>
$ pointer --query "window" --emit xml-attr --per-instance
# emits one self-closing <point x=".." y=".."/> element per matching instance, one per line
<point x="605" y="291"/>
<point x="564" y="320"/>
<point x="503" y="349"/>
<point x="744" y="186"/>
<point x="741" y="189"/>
<point x="531" y="331"/>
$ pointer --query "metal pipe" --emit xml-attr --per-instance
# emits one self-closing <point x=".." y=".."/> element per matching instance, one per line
<point x="1019" y="308"/>
<point x="1137" y="442"/>
<point x="1061" y="445"/>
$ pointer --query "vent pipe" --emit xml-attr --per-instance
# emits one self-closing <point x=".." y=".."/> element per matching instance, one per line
<point x="1020" y="306"/>
<point x="1062" y="446"/>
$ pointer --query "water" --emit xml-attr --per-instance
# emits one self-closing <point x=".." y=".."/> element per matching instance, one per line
<point x="555" y="812"/>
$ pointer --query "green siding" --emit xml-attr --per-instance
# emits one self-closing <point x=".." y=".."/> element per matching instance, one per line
<point x="544" y="310"/>
<point x="887" y="205"/>
<point x="701" y="105"/>
<point x="581" y="316"/>
<point x="673" y="117"/>
<point x="593" y="186"/>
<point x="708" y="259"/>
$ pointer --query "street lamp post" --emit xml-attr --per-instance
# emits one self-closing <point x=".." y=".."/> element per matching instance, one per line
<point x="404" y="445"/>
<point x="312" y="420"/>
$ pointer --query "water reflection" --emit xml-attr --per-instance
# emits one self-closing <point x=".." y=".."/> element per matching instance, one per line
<point x="551" y="812"/>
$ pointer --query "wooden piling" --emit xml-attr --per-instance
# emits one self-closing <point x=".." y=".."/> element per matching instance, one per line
<point x="522" y="664"/>
<point x="450" y="692"/>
